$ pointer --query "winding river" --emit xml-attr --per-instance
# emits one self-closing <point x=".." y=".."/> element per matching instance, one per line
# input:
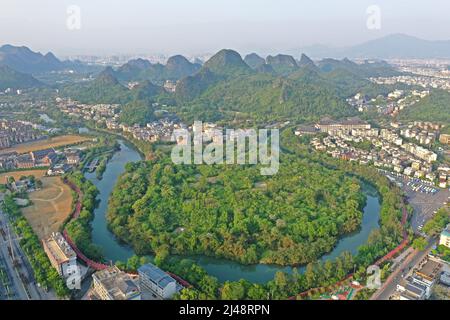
<point x="223" y="269"/>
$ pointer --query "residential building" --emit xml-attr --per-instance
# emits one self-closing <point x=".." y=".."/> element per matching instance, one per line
<point x="61" y="255"/>
<point x="327" y="124"/>
<point x="73" y="157"/>
<point x="445" y="237"/>
<point x="113" y="284"/>
<point x="445" y="278"/>
<point x="410" y="290"/>
<point x="158" y="282"/>
<point x="41" y="155"/>
<point x="444" y="138"/>
<point x="24" y="161"/>
<point x="419" y="285"/>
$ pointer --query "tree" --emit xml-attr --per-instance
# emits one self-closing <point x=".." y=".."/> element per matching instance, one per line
<point x="232" y="291"/>
<point x="420" y="244"/>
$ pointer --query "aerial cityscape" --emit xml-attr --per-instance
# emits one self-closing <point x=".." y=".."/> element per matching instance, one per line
<point x="300" y="167"/>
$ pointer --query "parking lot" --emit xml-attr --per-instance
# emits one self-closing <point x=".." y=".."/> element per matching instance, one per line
<point x="425" y="198"/>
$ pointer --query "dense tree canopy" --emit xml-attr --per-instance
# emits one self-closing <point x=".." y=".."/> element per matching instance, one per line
<point x="232" y="211"/>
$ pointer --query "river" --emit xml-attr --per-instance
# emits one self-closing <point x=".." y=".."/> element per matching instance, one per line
<point x="220" y="268"/>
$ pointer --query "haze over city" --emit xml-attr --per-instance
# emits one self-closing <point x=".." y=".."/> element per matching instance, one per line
<point x="200" y="26"/>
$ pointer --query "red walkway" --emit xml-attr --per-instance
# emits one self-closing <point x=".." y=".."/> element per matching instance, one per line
<point x="75" y="214"/>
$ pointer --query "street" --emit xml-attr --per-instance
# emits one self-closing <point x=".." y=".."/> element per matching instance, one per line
<point x="390" y="285"/>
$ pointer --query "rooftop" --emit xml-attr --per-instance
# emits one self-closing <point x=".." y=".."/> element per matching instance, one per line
<point x="120" y="285"/>
<point x="348" y="121"/>
<point x="158" y="276"/>
<point x="430" y="270"/>
<point x="446" y="231"/>
<point x="59" y="248"/>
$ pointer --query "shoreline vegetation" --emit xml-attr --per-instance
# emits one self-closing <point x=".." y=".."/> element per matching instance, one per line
<point x="80" y="228"/>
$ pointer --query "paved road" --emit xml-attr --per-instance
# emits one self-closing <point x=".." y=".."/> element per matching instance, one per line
<point x="390" y="285"/>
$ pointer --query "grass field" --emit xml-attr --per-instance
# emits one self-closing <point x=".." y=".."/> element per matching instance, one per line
<point x="44" y="144"/>
<point x="17" y="174"/>
<point x="51" y="206"/>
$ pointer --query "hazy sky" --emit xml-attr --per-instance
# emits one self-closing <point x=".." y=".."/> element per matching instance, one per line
<point x="203" y="26"/>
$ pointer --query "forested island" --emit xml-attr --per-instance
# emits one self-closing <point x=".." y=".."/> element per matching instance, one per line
<point x="233" y="212"/>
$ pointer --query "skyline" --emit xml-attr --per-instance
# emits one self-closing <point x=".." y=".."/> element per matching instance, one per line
<point x="197" y="27"/>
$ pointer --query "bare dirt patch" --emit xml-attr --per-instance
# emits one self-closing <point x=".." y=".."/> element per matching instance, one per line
<point x="51" y="206"/>
<point x="54" y="142"/>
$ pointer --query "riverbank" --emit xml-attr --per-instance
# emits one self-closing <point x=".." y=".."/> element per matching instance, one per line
<point x="129" y="140"/>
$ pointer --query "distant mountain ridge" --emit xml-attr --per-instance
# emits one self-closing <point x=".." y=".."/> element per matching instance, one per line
<point x="23" y="59"/>
<point x="283" y="64"/>
<point x="10" y="78"/>
<point x="106" y="88"/>
<point x="177" y="67"/>
<point x="227" y="62"/>
<point x="254" y="61"/>
<point x="223" y="65"/>
<point x="388" y="47"/>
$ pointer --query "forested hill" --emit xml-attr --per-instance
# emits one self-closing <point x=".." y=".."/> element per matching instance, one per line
<point x="10" y="78"/>
<point x="275" y="88"/>
<point x="227" y="87"/>
<point x="177" y="67"/>
<point x="435" y="108"/>
<point x="106" y="88"/>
